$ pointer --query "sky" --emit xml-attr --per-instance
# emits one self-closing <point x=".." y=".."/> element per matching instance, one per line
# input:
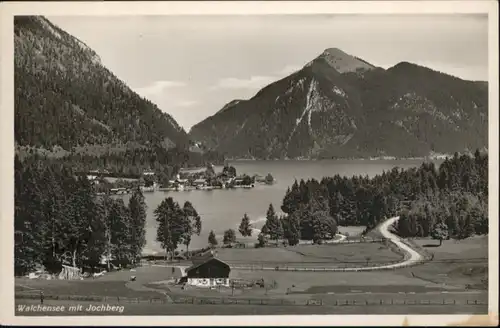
<point x="191" y="66"/>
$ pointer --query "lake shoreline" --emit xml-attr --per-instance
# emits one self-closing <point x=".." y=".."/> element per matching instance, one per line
<point x="381" y="158"/>
<point x="220" y="211"/>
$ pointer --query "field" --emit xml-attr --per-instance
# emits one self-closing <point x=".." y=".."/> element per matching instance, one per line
<point x="329" y="255"/>
<point x="429" y="288"/>
<point x="455" y="263"/>
<point x="115" y="284"/>
<point x="351" y="231"/>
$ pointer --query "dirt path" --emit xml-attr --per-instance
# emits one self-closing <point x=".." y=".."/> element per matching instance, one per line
<point x="411" y="256"/>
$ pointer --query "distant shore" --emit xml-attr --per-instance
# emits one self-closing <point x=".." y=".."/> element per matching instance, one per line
<point x="382" y="158"/>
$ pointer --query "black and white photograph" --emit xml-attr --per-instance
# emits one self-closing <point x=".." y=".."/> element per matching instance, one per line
<point x="168" y="163"/>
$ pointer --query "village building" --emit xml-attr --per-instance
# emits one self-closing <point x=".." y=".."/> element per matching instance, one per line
<point x="238" y="181"/>
<point x="199" y="182"/>
<point x="207" y="271"/>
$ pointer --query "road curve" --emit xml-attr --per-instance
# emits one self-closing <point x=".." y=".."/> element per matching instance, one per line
<point x="411" y="256"/>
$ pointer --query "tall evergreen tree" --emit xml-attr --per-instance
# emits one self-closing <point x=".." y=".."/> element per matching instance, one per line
<point x="273" y="225"/>
<point x="291" y="228"/>
<point x="212" y="239"/>
<point x="245" y="227"/>
<point x="28" y="230"/>
<point x="229" y="237"/>
<point x="137" y="208"/>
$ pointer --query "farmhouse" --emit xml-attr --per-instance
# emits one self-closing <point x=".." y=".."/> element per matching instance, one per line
<point x="207" y="271"/>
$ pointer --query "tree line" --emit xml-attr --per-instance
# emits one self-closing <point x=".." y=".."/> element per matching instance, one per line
<point x="59" y="220"/>
<point x="313" y="222"/>
<point x="132" y="162"/>
<point x="454" y="195"/>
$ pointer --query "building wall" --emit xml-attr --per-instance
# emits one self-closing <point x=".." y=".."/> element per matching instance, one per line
<point x="208" y="282"/>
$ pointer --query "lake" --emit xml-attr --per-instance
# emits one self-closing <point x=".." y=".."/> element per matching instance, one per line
<point x="223" y="209"/>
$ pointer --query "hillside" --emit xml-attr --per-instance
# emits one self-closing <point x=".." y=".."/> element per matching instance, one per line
<point x="340" y="106"/>
<point x="65" y="97"/>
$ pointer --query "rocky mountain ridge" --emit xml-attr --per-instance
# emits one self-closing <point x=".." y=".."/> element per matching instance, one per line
<point x="340" y="106"/>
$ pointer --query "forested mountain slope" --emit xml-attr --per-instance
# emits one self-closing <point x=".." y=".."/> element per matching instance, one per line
<point x="65" y="97"/>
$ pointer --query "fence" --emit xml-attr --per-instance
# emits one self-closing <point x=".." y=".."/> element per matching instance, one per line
<point x="320" y="302"/>
<point x="255" y="301"/>
<point x="105" y="299"/>
<point x="345" y="267"/>
<point x="258" y="301"/>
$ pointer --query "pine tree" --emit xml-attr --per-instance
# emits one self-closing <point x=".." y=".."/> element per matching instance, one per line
<point x="245" y="227"/>
<point x="97" y="242"/>
<point x="27" y="227"/>
<point x="137" y="208"/>
<point x="261" y="240"/>
<point x="212" y="240"/>
<point x="229" y="237"/>
<point x="292" y="233"/>
<point x="273" y="225"/>
<point x="81" y="212"/>
<point x="123" y="251"/>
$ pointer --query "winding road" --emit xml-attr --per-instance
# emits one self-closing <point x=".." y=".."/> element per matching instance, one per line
<point x="411" y="256"/>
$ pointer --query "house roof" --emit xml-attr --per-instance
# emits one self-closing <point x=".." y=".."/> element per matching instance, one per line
<point x="202" y="259"/>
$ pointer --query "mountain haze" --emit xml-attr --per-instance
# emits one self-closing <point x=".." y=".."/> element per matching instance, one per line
<point x="65" y="96"/>
<point x="340" y="106"/>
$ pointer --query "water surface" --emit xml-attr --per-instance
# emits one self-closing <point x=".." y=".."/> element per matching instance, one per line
<point x="223" y="209"/>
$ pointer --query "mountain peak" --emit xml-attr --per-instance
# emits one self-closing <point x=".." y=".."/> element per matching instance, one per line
<point x="319" y="112"/>
<point x="336" y="52"/>
<point x="343" y="62"/>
